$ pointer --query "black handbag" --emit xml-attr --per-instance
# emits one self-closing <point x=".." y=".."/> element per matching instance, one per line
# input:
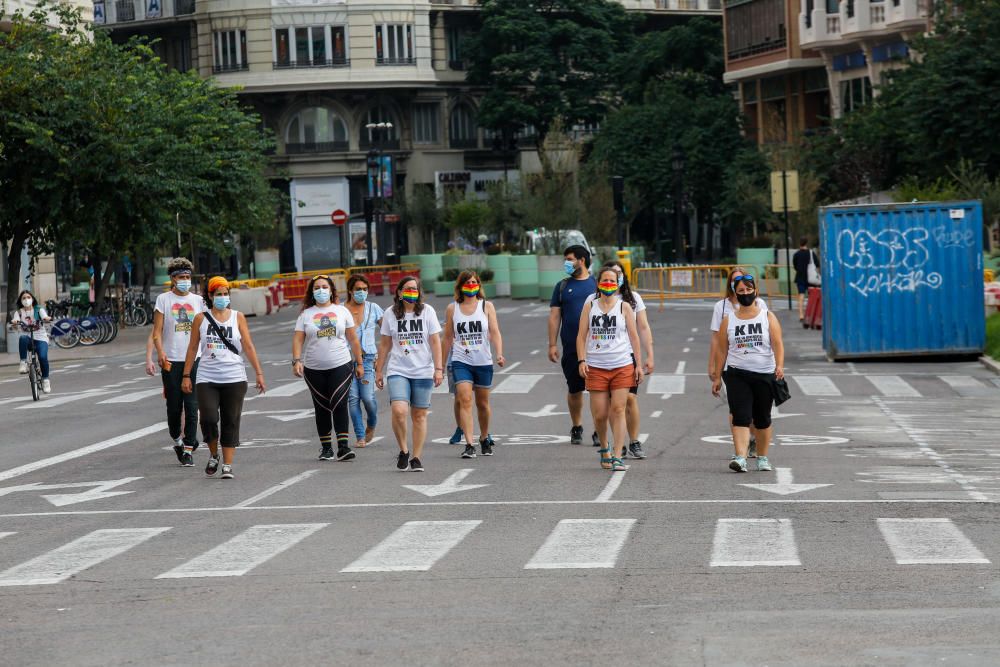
<point x="781" y="393"/>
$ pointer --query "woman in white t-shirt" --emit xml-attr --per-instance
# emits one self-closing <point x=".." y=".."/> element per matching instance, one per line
<point x="610" y="360"/>
<point x="220" y="336"/>
<point x="31" y="314"/>
<point x="325" y="340"/>
<point x="410" y="355"/>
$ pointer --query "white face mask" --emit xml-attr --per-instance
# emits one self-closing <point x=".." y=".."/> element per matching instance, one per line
<point x="26" y="302"/>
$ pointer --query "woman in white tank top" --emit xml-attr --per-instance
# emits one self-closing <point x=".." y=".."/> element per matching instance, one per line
<point x="607" y="346"/>
<point x="750" y="342"/>
<point x="470" y="328"/>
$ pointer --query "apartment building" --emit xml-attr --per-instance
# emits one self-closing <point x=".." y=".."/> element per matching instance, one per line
<point x="11" y="7"/>
<point x="320" y="71"/>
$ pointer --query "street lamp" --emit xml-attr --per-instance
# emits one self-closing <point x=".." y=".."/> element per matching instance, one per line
<point x="677" y="163"/>
<point x="375" y="131"/>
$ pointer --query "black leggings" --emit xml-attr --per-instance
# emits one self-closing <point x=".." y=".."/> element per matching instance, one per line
<point x="329" y="391"/>
<point x="223" y="401"/>
<point x="750" y="397"/>
<point x="178" y="402"/>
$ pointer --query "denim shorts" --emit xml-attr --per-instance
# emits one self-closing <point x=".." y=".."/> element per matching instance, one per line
<point x="415" y="392"/>
<point x="481" y="377"/>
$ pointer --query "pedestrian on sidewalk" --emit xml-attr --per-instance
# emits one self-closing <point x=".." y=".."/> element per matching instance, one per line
<point x="410" y="355"/>
<point x="565" y="307"/>
<point x="220" y="337"/>
<point x="470" y="329"/>
<point x="32" y="314"/>
<point x="749" y="340"/>
<point x="610" y="363"/>
<point x="327" y="353"/>
<point x="368" y="317"/>
<point x="173" y="317"/>
<point x="800" y="262"/>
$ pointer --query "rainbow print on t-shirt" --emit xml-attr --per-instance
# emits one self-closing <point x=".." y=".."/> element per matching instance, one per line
<point x="326" y="324"/>
<point x="183" y="314"/>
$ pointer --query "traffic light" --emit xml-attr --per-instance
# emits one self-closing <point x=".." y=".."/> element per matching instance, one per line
<point x="369" y="205"/>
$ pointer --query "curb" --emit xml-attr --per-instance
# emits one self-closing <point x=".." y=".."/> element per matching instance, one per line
<point x="990" y="364"/>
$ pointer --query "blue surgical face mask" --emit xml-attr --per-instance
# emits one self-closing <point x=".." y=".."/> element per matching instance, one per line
<point x="321" y="295"/>
<point x="184" y="286"/>
<point x="360" y="296"/>
<point x="621" y="279"/>
<point x="220" y="302"/>
<point x="569" y="267"/>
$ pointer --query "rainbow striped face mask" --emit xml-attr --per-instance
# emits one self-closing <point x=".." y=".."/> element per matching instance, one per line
<point x="409" y="295"/>
<point x="470" y="289"/>
<point x="607" y="288"/>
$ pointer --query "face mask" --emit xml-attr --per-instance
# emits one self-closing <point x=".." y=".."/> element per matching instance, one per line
<point x="26" y="302"/>
<point x="183" y="286"/>
<point x="607" y="288"/>
<point x="360" y="296"/>
<point x="409" y="295"/>
<point x="621" y="279"/>
<point x="321" y="295"/>
<point x="569" y="268"/>
<point x="220" y="302"/>
<point x="470" y="289"/>
<point x="746" y="299"/>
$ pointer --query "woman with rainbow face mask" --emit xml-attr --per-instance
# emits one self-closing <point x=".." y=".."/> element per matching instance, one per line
<point x="410" y="355"/>
<point x="610" y="360"/>
<point x="469" y="329"/>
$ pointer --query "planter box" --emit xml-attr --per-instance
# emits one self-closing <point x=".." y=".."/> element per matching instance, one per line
<point x="550" y="271"/>
<point x="449" y="261"/>
<point x="266" y="263"/>
<point x="444" y="288"/>
<point x="490" y="290"/>
<point x="755" y="259"/>
<point x="473" y="262"/>
<point x="524" y="276"/>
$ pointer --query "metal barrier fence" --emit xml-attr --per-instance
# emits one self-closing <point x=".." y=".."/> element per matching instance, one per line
<point x="382" y="279"/>
<point x="704" y="282"/>
<point x="294" y="284"/>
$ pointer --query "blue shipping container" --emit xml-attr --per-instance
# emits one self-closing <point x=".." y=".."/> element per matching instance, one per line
<point x="902" y="279"/>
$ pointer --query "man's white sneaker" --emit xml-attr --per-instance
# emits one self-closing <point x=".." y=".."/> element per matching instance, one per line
<point x="46" y="386"/>
<point x="23" y="368"/>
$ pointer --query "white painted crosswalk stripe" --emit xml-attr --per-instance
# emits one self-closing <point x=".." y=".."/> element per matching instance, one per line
<point x="754" y="543"/>
<point x="134" y="397"/>
<point x="893" y="386"/>
<point x="413" y="547"/>
<point x="928" y="542"/>
<point x="665" y="384"/>
<point x="582" y="543"/>
<point x="3" y="535"/>
<point x="289" y="389"/>
<point x="251" y="548"/>
<point x="517" y="384"/>
<point x="966" y="385"/>
<point x="816" y="385"/>
<point x="53" y="401"/>
<point x="86" y="552"/>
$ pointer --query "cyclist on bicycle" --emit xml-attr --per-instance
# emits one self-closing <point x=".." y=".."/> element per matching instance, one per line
<point x="31" y="314"/>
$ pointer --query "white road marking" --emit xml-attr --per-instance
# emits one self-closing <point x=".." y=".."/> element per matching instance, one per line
<point x="753" y="543"/>
<point x="928" y="542"/>
<point x="694" y="330"/>
<point x="3" y="535"/>
<point x="610" y="488"/>
<point x="82" y="451"/>
<point x="686" y="350"/>
<point x="453" y="484"/>
<point x="665" y="384"/>
<point x="582" y="543"/>
<point x="441" y="388"/>
<point x="60" y="400"/>
<point x="277" y="487"/>
<point x="690" y="339"/>
<point x="783" y="485"/>
<point x="134" y="397"/>
<point x="893" y="386"/>
<point x="507" y="309"/>
<point x="656" y="414"/>
<point x="413" y="547"/>
<point x="681" y="365"/>
<point x="62" y="563"/>
<point x="17" y="399"/>
<point x="816" y="385"/>
<point x="508" y="369"/>
<point x="965" y="385"/>
<point x="290" y="389"/>
<point x="853" y="367"/>
<point x="534" y="352"/>
<point x="517" y="384"/>
<point x="244" y="552"/>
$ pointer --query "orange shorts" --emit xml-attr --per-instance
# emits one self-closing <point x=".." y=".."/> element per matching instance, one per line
<point x="600" y="379"/>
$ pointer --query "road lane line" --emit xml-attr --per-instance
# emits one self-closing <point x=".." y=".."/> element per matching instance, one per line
<point x="289" y="389"/>
<point x="18" y="399"/>
<point x="656" y="414"/>
<point x="681" y="365"/>
<point x="534" y="352"/>
<point x="517" y="384"/>
<point x="413" y="547"/>
<point x="928" y="542"/>
<point x="134" y="397"/>
<point x="582" y="544"/>
<point x="508" y="369"/>
<point x="893" y="386"/>
<point x="3" y="535"/>
<point x="277" y="487"/>
<point x="665" y="384"/>
<point x="686" y="350"/>
<point x="965" y="385"/>
<point x="82" y="451"/>
<point x="80" y="554"/>
<point x="251" y="548"/>
<point x="610" y="488"/>
<point x="60" y="400"/>
<point x="754" y="543"/>
<point x="816" y="385"/>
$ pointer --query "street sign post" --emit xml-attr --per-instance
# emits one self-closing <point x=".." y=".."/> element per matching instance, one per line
<point x="785" y="198"/>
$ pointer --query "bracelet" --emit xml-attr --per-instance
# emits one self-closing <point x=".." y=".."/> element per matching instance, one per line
<point x="297" y="361"/>
<point x="186" y="376"/>
<point x="439" y="369"/>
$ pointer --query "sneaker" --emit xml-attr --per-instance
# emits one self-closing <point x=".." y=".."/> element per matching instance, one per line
<point x="738" y="464"/>
<point x="763" y="465"/>
<point x="752" y="454"/>
<point x="635" y="449"/>
<point x="416" y="465"/>
<point x="212" y="466"/>
<point x="596" y="439"/>
<point x="326" y="454"/>
<point x="46" y="386"/>
<point x="187" y="460"/>
<point x="23" y="368"/>
<point x="576" y="435"/>
<point x="403" y="460"/>
<point x="486" y="444"/>
<point x="179" y="450"/>
<point x="469" y="453"/>
<point x="344" y="454"/>
<point x="457" y="437"/>
<point x="227" y="472"/>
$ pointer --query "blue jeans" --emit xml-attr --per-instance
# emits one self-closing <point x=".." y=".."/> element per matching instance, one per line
<point x="363" y="391"/>
<point x="41" y="349"/>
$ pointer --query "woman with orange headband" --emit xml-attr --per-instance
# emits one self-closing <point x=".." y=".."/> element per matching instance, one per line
<point x="222" y="337"/>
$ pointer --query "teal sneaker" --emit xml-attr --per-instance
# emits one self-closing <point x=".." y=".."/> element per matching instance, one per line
<point x="738" y="464"/>
<point x="763" y="465"/>
<point x="457" y="438"/>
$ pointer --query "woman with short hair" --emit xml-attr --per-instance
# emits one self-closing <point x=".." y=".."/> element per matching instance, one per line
<point x="368" y="317"/>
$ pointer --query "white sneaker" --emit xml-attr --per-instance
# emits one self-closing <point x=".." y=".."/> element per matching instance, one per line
<point x="23" y="368"/>
<point x="46" y="386"/>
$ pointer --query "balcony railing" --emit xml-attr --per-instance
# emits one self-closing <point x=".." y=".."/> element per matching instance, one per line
<point x="222" y="69"/>
<point x="385" y="144"/>
<point x="312" y="64"/>
<point x="317" y="147"/>
<point x="182" y="7"/>
<point x="468" y="142"/>
<point x="125" y="10"/>
<point x="764" y="47"/>
<point x="396" y="61"/>
<point x="689" y="5"/>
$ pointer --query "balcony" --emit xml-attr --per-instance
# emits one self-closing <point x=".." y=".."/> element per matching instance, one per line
<point x="223" y="69"/>
<point x="859" y="18"/>
<point x="385" y="144"/>
<point x="463" y="142"/>
<point x="125" y="10"/>
<point x="183" y="7"/>
<point x="312" y="64"/>
<point x="317" y="147"/>
<point x="390" y="62"/>
<point x="683" y="5"/>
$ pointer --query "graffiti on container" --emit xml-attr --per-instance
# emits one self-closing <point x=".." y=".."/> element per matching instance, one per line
<point x="954" y="238"/>
<point x="891" y="261"/>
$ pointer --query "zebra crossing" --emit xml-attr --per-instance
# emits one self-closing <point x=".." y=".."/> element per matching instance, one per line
<point x="419" y="546"/>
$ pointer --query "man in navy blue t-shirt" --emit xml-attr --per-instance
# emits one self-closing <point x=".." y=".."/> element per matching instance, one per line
<point x="564" y="318"/>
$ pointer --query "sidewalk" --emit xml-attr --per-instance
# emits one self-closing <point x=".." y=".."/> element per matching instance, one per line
<point x="130" y="340"/>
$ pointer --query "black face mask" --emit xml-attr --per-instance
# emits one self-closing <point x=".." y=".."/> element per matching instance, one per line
<point x="746" y="299"/>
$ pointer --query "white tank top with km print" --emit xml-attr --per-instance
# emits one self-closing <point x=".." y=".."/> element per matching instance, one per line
<point x="750" y="343"/>
<point x="472" y="341"/>
<point x="608" y="345"/>
<point x="218" y="364"/>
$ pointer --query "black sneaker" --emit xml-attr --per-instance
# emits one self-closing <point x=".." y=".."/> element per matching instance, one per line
<point x="227" y="472"/>
<point x="179" y="451"/>
<point x="403" y="460"/>
<point x="576" y="435"/>
<point x="469" y="453"/>
<point x="326" y="454"/>
<point x="187" y="460"/>
<point x="344" y="454"/>
<point x="635" y="449"/>
<point x="752" y="453"/>
<point x="416" y="465"/>
<point x="596" y="439"/>
<point x="212" y="466"/>
<point x="486" y="445"/>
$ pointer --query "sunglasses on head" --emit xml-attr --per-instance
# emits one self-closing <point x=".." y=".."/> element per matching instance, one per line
<point x="748" y="278"/>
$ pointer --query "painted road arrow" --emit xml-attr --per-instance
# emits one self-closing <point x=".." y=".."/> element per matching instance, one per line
<point x="776" y="414"/>
<point x="451" y="485"/>
<point x="98" y="492"/>
<point x="546" y="411"/>
<point x="783" y="485"/>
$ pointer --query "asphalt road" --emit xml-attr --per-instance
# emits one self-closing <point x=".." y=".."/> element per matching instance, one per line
<point x="873" y="543"/>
